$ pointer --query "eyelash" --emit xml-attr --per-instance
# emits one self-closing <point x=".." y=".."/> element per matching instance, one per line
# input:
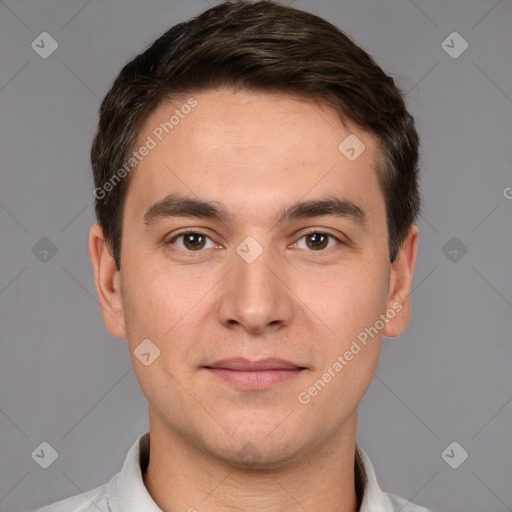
<point x="194" y="232"/>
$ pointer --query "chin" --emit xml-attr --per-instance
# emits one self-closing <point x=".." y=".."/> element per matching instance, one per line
<point x="256" y="450"/>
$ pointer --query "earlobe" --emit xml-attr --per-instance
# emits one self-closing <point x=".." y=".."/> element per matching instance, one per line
<point x="108" y="283"/>
<point x="402" y="272"/>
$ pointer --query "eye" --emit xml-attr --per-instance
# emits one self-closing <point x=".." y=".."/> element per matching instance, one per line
<point x="193" y="241"/>
<point x="317" y="241"/>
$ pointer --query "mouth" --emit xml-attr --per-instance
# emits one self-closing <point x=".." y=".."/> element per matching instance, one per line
<point x="256" y="375"/>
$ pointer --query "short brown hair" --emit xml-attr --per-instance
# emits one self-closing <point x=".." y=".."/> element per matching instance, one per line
<point x="262" y="46"/>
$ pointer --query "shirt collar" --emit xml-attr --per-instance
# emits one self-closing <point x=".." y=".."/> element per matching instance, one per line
<point x="127" y="492"/>
<point x="374" y="499"/>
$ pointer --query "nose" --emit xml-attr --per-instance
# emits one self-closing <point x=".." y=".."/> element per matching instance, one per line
<point x="255" y="296"/>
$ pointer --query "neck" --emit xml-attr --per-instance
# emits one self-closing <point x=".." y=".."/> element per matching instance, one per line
<point x="182" y="476"/>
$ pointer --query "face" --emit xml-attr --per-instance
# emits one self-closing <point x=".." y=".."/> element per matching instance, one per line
<point x="265" y="308"/>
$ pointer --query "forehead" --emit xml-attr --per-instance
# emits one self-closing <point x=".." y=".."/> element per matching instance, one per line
<point x="238" y="147"/>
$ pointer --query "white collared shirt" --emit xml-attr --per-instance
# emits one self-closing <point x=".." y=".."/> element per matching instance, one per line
<point x="126" y="491"/>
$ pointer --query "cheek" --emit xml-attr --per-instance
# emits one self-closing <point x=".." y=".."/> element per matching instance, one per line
<point x="153" y="300"/>
<point x="357" y="375"/>
<point x="167" y="309"/>
<point x="349" y="309"/>
<point x="157" y="313"/>
<point x="346" y="367"/>
<point x="346" y="301"/>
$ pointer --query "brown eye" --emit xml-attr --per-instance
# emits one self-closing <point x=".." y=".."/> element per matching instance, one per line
<point x="317" y="241"/>
<point x="192" y="241"/>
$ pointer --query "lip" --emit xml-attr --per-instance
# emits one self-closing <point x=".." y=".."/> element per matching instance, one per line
<point x="261" y="374"/>
<point x="246" y="365"/>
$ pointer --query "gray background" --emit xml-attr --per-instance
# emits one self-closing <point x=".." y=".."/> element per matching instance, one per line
<point x="66" y="381"/>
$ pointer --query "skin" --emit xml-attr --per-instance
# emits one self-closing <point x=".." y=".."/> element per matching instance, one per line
<point x="255" y="153"/>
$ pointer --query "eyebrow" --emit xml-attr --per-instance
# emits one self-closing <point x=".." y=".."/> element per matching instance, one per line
<point x="176" y="205"/>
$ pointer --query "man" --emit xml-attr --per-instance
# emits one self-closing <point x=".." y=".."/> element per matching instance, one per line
<point x="256" y="192"/>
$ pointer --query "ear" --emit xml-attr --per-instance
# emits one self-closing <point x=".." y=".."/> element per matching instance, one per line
<point x="108" y="283"/>
<point x="402" y="271"/>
